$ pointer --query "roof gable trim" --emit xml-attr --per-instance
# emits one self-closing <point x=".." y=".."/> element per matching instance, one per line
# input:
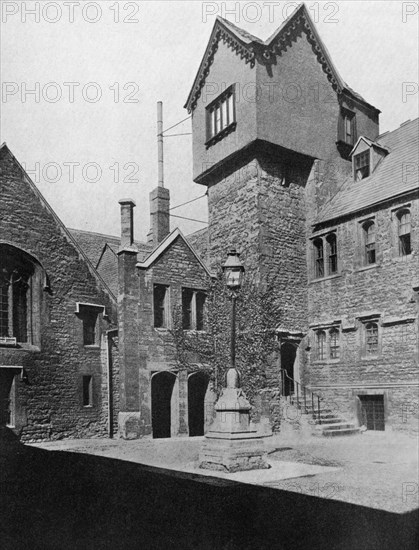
<point x="252" y="48"/>
<point x="164" y="245"/>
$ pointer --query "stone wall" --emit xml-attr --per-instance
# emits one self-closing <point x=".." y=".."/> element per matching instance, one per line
<point x="49" y="398"/>
<point x="146" y="350"/>
<point x="386" y="292"/>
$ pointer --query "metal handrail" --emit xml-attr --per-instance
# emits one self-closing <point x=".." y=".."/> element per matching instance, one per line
<point x="297" y="387"/>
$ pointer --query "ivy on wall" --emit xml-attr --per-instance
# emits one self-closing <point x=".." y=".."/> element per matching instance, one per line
<point x="257" y="316"/>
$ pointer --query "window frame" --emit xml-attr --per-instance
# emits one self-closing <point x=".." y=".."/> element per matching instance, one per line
<point x="165" y="322"/>
<point x="334" y="350"/>
<point x="86" y="313"/>
<point x="223" y="106"/>
<point x="20" y="309"/>
<point x="87" y="395"/>
<point x="321" y="350"/>
<point x="196" y="311"/>
<point x="366" y="154"/>
<point x="319" y="271"/>
<point x="366" y="322"/>
<point x="330" y="349"/>
<point x="347" y="116"/>
<point x="369" y="245"/>
<point x="332" y="253"/>
<point x="325" y="255"/>
<point x="404" y="238"/>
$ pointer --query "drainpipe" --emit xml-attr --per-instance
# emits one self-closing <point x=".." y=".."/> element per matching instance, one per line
<point x="109" y="379"/>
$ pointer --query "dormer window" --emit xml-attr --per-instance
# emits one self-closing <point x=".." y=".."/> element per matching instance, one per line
<point x="221" y="116"/>
<point x="362" y="165"/>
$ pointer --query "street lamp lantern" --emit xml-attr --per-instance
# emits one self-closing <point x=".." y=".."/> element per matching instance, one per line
<point x="232" y="443"/>
<point x="233" y="270"/>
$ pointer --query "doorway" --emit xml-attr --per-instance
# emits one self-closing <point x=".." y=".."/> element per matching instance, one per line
<point x="162" y="384"/>
<point x="197" y="388"/>
<point x="288" y="354"/>
<point x="372" y="410"/>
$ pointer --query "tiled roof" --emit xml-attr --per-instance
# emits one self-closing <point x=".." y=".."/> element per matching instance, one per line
<point x="94" y="243"/>
<point x="390" y="179"/>
<point x="199" y="241"/>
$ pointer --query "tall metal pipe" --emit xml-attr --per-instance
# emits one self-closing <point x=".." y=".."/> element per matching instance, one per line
<point x="160" y="143"/>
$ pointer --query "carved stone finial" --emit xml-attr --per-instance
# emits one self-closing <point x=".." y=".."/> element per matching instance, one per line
<point x="233" y="378"/>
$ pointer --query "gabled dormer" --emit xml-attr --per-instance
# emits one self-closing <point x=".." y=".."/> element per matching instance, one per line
<point x="366" y="156"/>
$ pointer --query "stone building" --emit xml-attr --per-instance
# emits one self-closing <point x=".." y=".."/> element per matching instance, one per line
<point x="300" y="181"/>
<point x="57" y="321"/>
<point x="324" y="211"/>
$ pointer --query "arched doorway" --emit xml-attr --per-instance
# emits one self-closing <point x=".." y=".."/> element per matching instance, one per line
<point x="197" y="388"/>
<point x="162" y="384"/>
<point x="288" y="354"/>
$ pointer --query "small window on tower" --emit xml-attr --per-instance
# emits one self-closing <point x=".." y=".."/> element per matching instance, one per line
<point x="221" y="116"/>
<point x="347" y="127"/>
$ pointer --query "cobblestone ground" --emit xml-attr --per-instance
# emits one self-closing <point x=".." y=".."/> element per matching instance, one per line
<point x="374" y="469"/>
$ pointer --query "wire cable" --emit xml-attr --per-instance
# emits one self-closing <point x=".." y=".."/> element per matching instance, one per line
<point x="177" y="124"/>
<point x="188" y="202"/>
<point x="190" y="219"/>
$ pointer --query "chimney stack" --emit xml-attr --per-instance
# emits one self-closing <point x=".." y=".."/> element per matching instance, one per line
<point x="159" y="215"/>
<point x="127" y="224"/>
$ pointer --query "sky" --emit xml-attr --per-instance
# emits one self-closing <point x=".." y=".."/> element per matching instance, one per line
<point x="96" y="69"/>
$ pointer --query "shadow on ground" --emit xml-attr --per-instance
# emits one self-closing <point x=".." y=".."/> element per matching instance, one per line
<point x="59" y="500"/>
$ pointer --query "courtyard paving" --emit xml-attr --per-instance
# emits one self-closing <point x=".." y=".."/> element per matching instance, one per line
<point x="374" y="469"/>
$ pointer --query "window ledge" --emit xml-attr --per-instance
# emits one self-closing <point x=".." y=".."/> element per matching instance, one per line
<point x="20" y="347"/>
<point x="195" y="331"/>
<point x="367" y="267"/>
<point x="221" y="135"/>
<point x="319" y="280"/>
<point x="370" y="358"/>
<point x="92" y="346"/>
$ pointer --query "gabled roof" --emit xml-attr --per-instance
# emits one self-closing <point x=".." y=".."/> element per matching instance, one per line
<point x="388" y="181"/>
<point x="94" y="244"/>
<point x="250" y="48"/>
<point x="369" y="142"/>
<point x="164" y="245"/>
<point x="63" y="228"/>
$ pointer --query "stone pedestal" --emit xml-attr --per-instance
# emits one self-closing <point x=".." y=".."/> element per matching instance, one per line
<point x="232" y="444"/>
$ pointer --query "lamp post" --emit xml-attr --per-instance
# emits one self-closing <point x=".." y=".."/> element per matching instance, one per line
<point x="232" y="444"/>
<point x="234" y="274"/>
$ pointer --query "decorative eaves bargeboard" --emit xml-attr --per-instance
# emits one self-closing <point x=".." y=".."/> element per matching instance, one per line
<point x="252" y="49"/>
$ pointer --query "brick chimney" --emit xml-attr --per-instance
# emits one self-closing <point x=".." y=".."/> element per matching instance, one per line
<point x="127" y="225"/>
<point x="159" y="215"/>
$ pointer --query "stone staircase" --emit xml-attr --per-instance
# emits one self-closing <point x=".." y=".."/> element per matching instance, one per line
<point x="327" y="422"/>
